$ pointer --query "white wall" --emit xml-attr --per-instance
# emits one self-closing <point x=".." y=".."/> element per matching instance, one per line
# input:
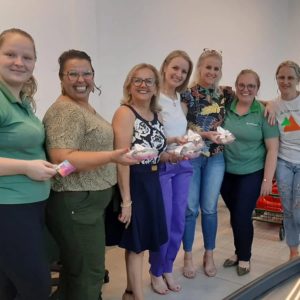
<point x="293" y="31"/>
<point x="120" y="33"/>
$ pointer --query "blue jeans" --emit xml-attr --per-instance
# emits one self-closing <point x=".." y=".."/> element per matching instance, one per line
<point x="288" y="181"/>
<point x="203" y="194"/>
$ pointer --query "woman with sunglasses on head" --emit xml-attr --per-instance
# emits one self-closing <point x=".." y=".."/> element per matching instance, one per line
<point x="288" y="164"/>
<point x="137" y="122"/>
<point x="24" y="174"/>
<point x="205" y="103"/>
<point x="75" y="210"/>
<point x="250" y="164"/>
<point x="175" y="174"/>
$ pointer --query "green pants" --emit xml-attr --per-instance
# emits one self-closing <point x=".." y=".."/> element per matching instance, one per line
<point x="76" y="220"/>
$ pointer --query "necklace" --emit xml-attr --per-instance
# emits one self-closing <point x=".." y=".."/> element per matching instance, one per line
<point x="172" y="97"/>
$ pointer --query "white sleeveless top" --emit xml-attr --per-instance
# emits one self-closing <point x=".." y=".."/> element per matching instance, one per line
<point x="174" y="119"/>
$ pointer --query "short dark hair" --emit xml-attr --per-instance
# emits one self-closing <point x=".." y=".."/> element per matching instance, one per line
<point x="71" y="54"/>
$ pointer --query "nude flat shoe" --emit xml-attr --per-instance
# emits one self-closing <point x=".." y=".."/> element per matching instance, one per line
<point x="210" y="269"/>
<point x="171" y="283"/>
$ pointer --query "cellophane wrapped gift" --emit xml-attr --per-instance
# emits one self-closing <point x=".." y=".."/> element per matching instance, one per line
<point x="140" y="152"/>
<point x="225" y="135"/>
<point x="193" y="148"/>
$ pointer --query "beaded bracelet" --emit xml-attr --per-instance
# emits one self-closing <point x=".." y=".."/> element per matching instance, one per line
<point x="127" y="204"/>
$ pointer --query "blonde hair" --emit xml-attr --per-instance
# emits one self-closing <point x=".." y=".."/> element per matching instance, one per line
<point x="127" y="98"/>
<point x="290" y="64"/>
<point x="205" y="54"/>
<point x="166" y="62"/>
<point x="30" y="86"/>
<point x="248" y="71"/>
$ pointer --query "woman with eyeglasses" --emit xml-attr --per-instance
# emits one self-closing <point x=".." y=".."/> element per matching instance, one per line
<point x="250" y="164"/>
<point x="136" y="122"/>
<point x="24" y="174"/>
<point x="75" y="210"/>
<point x="205" y="103"/>
<point x="288" y="164"/>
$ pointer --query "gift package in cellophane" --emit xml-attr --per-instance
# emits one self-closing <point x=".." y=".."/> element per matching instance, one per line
<point x="140" y="152"/>
<point x="193" y="147"/>
<point x="225" y="136"/>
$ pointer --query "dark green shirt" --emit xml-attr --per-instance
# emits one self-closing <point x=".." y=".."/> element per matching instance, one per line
<point x="21" y="137"/>
<point x="248" y="152"/>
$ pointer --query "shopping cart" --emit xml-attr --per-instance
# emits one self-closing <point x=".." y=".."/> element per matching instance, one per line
<point x="269" y="209"/>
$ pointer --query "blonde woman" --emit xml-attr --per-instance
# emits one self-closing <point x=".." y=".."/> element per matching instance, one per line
<point x="175" y="175"/>
<point x="137" y="122"/>
<point x="288" y="165"/>
<point x="24" y="174"/>
<point x="205" y="104"/>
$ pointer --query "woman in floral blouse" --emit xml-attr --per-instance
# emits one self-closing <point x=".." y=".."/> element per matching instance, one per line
<point x="205" y="104"/>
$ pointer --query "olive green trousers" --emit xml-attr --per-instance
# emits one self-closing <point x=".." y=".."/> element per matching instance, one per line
<point x="76" y="221"/>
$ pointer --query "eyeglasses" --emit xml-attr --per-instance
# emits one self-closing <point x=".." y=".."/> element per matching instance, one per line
<point x="139" y="81"/>
<point x="74" y="75"/>
<point x="242" y="86"/>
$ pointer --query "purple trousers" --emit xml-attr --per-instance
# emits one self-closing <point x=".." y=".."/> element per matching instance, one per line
<point x="175" y="180"/>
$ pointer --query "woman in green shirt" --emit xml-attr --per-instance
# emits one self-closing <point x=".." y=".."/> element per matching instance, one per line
<point x="250" y="163"/>
<point x="24" y="174"/>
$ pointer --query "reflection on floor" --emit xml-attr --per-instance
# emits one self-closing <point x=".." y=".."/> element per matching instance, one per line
<point x="289" y="290"/>
<point x="268" y="252"/>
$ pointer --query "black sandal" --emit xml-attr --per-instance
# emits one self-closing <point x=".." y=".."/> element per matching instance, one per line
<point x="128" y="292"/>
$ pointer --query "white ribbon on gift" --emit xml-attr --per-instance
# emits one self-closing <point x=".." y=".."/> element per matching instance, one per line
<point x="224" y="133"/>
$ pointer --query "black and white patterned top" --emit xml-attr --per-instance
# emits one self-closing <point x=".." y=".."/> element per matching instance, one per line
<point x="149" y="134"/>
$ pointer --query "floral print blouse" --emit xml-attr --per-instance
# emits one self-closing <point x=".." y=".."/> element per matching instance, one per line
<point x="206" y="111"/>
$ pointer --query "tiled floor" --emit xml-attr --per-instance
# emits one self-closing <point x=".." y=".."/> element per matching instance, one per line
<point x="268" y="252"/>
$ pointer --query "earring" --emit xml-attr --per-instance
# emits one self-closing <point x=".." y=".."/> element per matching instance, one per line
<point x="63" y="92"/>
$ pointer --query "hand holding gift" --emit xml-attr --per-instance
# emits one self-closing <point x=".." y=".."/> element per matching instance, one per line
<point x="225" y="136"/>
<point x="65" y="168"/>
<point x="140" y="152"/>
<point x="193" y="147"/>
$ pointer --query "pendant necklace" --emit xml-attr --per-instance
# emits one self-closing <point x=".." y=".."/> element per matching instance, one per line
<point x="173" y="98"/>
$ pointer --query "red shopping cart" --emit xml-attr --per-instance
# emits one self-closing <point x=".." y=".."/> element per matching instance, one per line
<point x="269" y="209"/>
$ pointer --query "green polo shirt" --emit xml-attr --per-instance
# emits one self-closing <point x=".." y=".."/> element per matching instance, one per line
<point x="21" y="137"/>
<point x="247" y="153"/>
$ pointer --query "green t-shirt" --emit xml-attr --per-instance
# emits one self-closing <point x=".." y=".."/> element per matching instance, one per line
<point x="21" y="137"/>
<point x="247" y="153"/>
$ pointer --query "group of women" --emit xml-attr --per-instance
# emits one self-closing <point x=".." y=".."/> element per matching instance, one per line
<point x="161" y="196"/>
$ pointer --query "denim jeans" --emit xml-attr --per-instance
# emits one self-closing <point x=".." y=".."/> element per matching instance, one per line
<point x="288" y="181"/>
<point x="203" y="194"/>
